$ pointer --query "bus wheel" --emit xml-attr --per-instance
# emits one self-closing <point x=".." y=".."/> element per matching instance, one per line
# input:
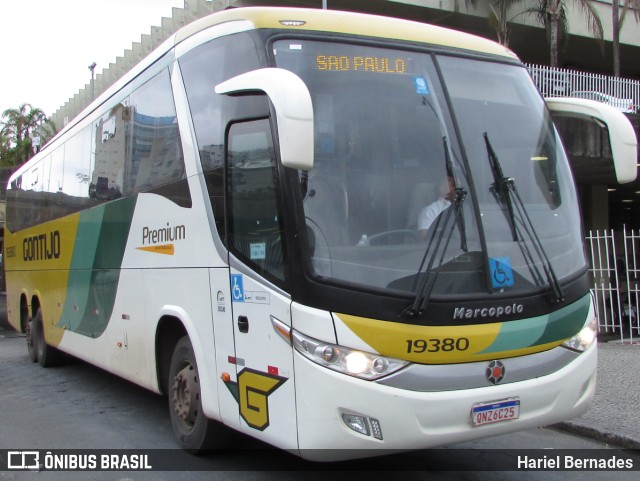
<point x="195" y="432"/>
<point x="47" y="355"/>
<point x="33" y="355"/>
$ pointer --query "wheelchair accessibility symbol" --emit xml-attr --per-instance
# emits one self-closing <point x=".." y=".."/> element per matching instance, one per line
<point x="237" y="289"/>
<point x="501" y="272"/>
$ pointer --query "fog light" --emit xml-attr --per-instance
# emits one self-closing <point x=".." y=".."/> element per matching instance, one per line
<point x="357" y="423"/>
<point x="376" y="429"/>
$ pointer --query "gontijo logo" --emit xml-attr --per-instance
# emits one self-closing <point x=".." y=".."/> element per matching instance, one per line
<point x="161" y="240"/>
<point x="252" y="391"/>
<point x="41" y="247"/>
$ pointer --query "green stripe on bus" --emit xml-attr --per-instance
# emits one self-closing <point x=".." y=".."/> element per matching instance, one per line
<point x="549" y="328"/>
<point x="95" y="267"/>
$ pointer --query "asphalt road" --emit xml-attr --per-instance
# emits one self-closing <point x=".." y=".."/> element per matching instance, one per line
<point x="77" y="406"/>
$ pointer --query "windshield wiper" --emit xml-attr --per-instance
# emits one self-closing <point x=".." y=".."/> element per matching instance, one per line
<point x="460" y="217"/>
<point x="501" y="187"/>
<point x="505" y="192"/>
<point x="423" y="287"/>
<point x="430" y="276"/>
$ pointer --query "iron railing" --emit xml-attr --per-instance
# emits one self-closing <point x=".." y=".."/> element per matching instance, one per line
<point x="560" y="82"/>
<point x="615" y="273"/>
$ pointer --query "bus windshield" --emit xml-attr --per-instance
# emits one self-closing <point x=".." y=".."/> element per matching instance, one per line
<point x="413" y="156"/>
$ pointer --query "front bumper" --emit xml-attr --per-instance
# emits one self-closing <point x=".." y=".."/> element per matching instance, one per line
<point x="418" y="420"/>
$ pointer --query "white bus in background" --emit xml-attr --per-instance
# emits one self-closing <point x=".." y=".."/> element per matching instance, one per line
<point x="235" y="224"/>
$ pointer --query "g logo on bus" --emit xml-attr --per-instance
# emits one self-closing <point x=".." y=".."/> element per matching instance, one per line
<point x="495" y="372"/>
<point x="252" y="391"/>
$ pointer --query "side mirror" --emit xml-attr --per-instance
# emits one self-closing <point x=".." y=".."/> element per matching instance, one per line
<point x="624" y="143"/>
<point x="294" y="110"/>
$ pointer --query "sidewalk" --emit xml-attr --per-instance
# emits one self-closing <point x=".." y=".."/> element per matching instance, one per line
<point x="614" y="416"/>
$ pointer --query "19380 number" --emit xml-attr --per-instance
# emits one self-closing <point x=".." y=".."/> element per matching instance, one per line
<point x="446" y="344"/>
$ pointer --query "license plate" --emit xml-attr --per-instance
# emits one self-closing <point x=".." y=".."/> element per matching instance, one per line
<point x="495" y="412"/>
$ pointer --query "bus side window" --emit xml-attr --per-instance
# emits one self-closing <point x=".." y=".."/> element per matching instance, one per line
<point x="32" y="196"/>
<point x="109" y="155"/>
<point x="254" y="220"/>
<point x="154" y="154"/>
<point x="69" y="182"/>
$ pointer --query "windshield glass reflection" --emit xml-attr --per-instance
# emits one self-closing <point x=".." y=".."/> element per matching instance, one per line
<point x="379" y="204"/>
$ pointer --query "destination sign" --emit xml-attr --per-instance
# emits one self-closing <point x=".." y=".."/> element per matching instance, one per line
<point x="349" y="63"/>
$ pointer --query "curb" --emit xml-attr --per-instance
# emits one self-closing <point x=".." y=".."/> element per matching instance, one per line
<point x="613" y="439"/>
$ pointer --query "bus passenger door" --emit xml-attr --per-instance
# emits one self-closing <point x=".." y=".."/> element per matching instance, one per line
<point x="263" y="386"/>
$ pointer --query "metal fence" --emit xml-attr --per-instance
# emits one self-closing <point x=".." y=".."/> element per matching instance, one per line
<point x="560" y="82"/>
<point x="615" y="271"/>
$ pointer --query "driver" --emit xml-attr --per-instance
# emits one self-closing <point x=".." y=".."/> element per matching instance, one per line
<point x="430" y="213"/>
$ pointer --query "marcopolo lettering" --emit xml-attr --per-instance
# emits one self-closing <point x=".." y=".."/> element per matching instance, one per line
<point x="41" y="247"/>
<point x="487" y="312"/>
<point x="163" y="234"/>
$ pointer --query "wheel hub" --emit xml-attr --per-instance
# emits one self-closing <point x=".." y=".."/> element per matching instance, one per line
<point x="184" y="395"/>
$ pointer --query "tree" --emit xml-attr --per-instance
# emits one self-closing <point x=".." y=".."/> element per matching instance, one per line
<point x="5" y="150"/>
<point x="552" y="14"/>
<point x="499" y="17"/>
<point x="619" y="9"/>
<point x="16" y="129"/>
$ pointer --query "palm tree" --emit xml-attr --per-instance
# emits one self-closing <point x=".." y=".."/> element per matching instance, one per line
<point x="5" y="150"/>
<point x="552" y="13"/>
<point x="618" y="14"/>
<point x="499" y="17"/>
<point x="16" y="127"/>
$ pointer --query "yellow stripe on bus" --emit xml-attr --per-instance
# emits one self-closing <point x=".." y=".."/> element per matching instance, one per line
<point x="435" y="344"/>
<point x="40" y="262"/>
<point x="167" y="249"/>
<point x="297" y="19"/>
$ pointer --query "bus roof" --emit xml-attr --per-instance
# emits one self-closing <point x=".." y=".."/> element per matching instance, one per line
<point x="335" y="21"/>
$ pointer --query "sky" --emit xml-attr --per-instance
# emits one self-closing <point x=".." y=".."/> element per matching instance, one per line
<point x="48" y="45"/>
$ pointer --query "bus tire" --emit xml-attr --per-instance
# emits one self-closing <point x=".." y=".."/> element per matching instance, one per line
<point x="47" y="356"/>
<point x="194" y="431"/>
<point x="33" y="355"/>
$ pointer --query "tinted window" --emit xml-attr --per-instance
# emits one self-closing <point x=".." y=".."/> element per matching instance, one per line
<point x="133" y="146"/>
<point x="255" y="224"/>
<point x="110" y="153"/>
<point x="155" y="154"/>
<point x="73" y="188"/>
<point x="202" y="69"/>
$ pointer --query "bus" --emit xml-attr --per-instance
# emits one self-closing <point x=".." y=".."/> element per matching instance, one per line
<point x="338" y="233"/>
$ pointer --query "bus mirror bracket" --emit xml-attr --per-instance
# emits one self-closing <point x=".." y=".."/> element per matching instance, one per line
<point x="624" y="143"/>
<point x="294" y="111"/>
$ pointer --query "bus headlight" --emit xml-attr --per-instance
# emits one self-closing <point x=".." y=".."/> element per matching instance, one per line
<point x="364" y="365"/>
<point x="585" y="338"/>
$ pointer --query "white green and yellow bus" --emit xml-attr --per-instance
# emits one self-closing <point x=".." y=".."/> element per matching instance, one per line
<point x="238" y="224"/>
